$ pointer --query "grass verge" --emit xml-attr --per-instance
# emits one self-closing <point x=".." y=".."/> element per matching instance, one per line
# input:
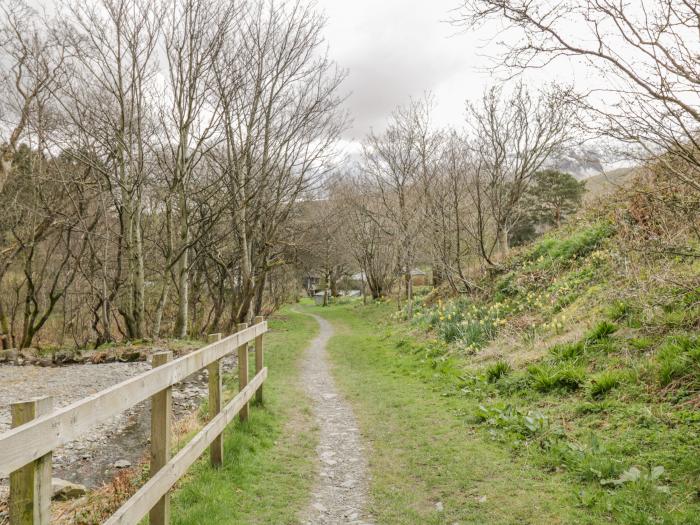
<point x="269" y="462"/>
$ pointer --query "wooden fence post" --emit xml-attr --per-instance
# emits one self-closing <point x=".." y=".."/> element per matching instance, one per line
<point x="30" y="486"/>
<point x="259" y="358"/>
<point x="161" y="419"/>
<point x="216" y="449"/>
<point x="243" y="370"/>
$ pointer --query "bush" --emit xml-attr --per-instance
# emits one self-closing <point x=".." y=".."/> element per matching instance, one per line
<point x="546" y="377"/>
<point x="580" y="244"/>
<point x="497" y="370"/>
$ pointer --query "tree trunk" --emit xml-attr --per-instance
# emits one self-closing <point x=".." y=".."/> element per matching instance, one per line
<point x="503" y="241"/>
<point x="181" y="324"/>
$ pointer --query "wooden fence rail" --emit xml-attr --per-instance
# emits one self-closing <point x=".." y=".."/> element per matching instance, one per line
<point x="25" y="451"/>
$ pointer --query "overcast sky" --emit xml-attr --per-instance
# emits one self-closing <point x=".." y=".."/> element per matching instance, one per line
<point x="396" y="49"/>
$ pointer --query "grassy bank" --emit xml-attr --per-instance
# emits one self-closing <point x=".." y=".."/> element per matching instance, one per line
<point x="269" y="463"/>
<point x="584" y="357"/>
<point x="428" y="463"/>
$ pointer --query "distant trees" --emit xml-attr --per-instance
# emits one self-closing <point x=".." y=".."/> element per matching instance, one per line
<point x="397" y="164"/>
<point x="153" y="158"/>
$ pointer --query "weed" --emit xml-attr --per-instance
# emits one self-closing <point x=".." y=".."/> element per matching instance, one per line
<point x="602" y="331"/>
<point x="497" y="370"/>
<point x="566" y="352"/>
<point x="640" y="343"/>
<point x="547" y="377"/>
<point x="678" y="357"/>
<point x="604" y="382"/>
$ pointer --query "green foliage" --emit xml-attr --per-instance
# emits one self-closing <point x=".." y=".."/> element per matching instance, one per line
<point x="566" y="352"/>
<point x="497" y="370"/>
<point x="549" y="377"/>
<point x="601" y="332"/>
<point x="551" y="250"/>
<point x="552" y="197"/>
<point x="604" y="382"/>
<point x="678" y="357"/>
<point x="619" y="310"/>
<point x="509" y="418"/>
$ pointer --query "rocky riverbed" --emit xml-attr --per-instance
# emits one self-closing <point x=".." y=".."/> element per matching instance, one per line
<point x="120" y="442"/>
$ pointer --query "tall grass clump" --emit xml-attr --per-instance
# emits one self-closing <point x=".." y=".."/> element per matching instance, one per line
<point x="550" y="377"/>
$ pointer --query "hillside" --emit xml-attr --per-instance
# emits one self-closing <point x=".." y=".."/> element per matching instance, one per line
<point x="584" y="357"/>
<point x="608" y="182"/>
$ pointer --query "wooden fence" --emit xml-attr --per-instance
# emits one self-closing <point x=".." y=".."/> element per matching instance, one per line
<point x="25" y="451"/>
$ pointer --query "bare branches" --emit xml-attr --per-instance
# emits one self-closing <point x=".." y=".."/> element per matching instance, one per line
<point x="647" y="53"/>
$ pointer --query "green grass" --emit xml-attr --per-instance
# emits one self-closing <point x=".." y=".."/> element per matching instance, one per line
<point x="424" y="448"/>
<point x="269" y="464"/>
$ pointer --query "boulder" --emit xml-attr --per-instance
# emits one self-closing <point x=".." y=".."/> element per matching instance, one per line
<point x="64" y="490"/>
<point x="67" y="358"/>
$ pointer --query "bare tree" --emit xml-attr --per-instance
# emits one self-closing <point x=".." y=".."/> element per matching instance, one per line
<point x="278" y="92"/>
<point x="648" y="54"/>
<point x="396" y="163"/>
<point x="195" y="32"/>
<point x="107" y="102"/>
<point x="511" y="138"/>
<point x="366" y="233"/>
<point x="447" y="213"/>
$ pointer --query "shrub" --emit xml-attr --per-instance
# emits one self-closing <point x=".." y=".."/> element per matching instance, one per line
<point x="604" y="382"/>
<point x="546" y="377"/>
<point x="497" y="370"/>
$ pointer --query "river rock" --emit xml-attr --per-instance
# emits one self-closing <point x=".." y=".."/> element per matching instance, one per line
<point x="8" y="355"/>
<point x="130" y="357"/>
<point x="122" y="463"/>
<point x="64" y="490"/>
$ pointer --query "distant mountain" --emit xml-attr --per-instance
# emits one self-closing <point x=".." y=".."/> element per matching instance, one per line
<point x="582" y="163"/>
<point x="609" y="181"/>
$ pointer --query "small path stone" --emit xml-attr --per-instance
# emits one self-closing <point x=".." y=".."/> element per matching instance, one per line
<point x="340" y="494"/>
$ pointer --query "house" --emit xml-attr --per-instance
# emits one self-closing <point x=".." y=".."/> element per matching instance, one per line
<point x="419" y="277"/>
<point x="311" y="283"/>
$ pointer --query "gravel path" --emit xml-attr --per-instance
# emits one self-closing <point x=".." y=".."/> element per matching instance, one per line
<point x="341" y="491"/>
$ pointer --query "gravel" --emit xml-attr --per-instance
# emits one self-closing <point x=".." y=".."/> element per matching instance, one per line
<point x="123" y="439"/>
<point x="340" y="494"/>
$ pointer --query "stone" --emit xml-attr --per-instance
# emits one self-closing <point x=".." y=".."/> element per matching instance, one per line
<point x="320" y="507"/>
<point x="64" y="490"/>
<point x="122" y="463"/>
<point x="130" y="357"/>
<point x="67" y="358"/>
<point x="439" y="506"/>
<point x="98" y="358"/>
<point x="8" y="355"/>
